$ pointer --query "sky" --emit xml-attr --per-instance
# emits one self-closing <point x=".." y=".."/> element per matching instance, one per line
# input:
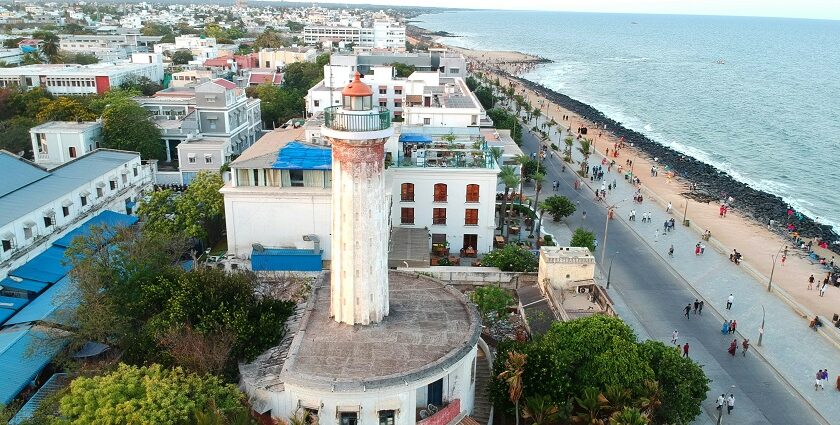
<point x="814" y="9"/>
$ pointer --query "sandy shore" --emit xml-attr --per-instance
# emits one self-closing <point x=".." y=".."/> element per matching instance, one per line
<point x="753" y="240"/>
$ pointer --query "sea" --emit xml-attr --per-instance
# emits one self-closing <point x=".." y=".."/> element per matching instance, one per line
<point x="758" y="98"/>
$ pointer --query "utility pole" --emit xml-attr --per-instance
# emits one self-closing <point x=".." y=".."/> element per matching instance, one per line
<point x="606" y="228"/>
<point x="773" y="269"/>
<point x="609" y="270"/>
<point x="761" y="329"/>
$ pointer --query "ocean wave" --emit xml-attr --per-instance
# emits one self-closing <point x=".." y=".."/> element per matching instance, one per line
<point x="628" y="59"/>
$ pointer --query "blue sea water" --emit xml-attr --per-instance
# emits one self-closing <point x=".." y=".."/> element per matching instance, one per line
<point x="769" y="115"/>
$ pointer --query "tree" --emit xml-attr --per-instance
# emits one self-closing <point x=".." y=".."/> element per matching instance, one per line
<point x="75" y="29"/>
<point x="682" y="385"/>
<point x="540" y="410"/>
<point x="16" y="138"/>
<point x="583" y="238"/>
<point x="145" y="395"/>
<point x="537" y="114"/>
<point x="522" y="160"/>
<point x="538" y="178"/>
<point x="181" y="57"/>
<point x="628" y="416"/>
<point x="585" y="149"/>
<point x="79" y="58"/>
<point x="559" y="207"/>
<point x="295" y="26"/>
<point x="485" y="97"/>
<point x="511" y="258"/>
<point x="155" y="29"/>
<point x="509" y="179"/>
<point x="126" y="125"/>
<point x="202" y="206"/>
<point x="12" y="43"/>
<point x="269" y="39"/>
<point x="492" y="303"/>
<point x="512" y="375"/>
<point x="567" y="151"/>
<point x="50" y="47"/>
<point x="504" y="120"/>
<point x="301" y="76"/>
<point x="157" y="211"/>
<point x="65" y="109"/>
<point x="277" y="104"/>
<point x="143" y="85"/>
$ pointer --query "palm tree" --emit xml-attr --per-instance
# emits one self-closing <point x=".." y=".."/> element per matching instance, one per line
<point x="509" y="179"/>
<point x="539" y="178"/>
<point x="50" y="47"/>
<point x="589" y="408"/>
<point x="567" y="153"/>
<point x="496" y="152"/>
<point x="629" y="416"/>
<point x="537" y="115"/>
<point x="651" y="398"/>
<point x="523" y="161"/>
<point x="540" y="410"/>
<point x="551" y="124"/>
<point x="618" y="397"/>
<point x="512" y="375"/>
<point x="301" y="417"/>
<point x="527" y="108"/>
<point x="585" y="149"/>
<point x="520" y="103"/>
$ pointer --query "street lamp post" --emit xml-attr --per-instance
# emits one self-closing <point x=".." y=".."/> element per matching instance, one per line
<point x="606" y="228"/>
<point x="609" y="270"/>
<point x="773" y="269"/>
<point x="761" y="329"/>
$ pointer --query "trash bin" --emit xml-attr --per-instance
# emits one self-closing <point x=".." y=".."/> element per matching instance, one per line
<point x="687" y="223"/>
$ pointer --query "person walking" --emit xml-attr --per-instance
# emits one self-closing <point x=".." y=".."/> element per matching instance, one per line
<point x="674" y="337"/>
<point x="730" y="404"/>
<point x="696" y="305"/>
<point x="700" y="310"/>
<point x="811" y="282"/>
<point x="671" y="251"/>
<point x="687" y="309"/>
<point x="733" y="346"/>
<point x="685" y="350"/>
<point x="729" y="301"/>
<point x="824" y="378"/>
<point x="725" y="329"/>
<point x="720" y="402"/>
<point x="818" y="383"/>
<point x="745" y="344"/>
<point x="668" y="209"/>
<point x="823" y="288"/>
<point x="733" y="326"/>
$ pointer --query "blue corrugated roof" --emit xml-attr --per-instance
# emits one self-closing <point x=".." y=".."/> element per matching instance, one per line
<point x="415" y="138"/>
<point x="56" y="184"/>
<point x="300" y="156"/>
<point x="275" y="259"/>
<point x="56" y="383"/>
<point x="105" y="218"/>
<point x="12" y="303"/>
<point x="48" y="266"/>
<point x="20" y="363"/>
<point x="24" y="285"/>
<point x="5" y="314"/>
<point x="17" y="173"/>
<point x="51" y="306"/>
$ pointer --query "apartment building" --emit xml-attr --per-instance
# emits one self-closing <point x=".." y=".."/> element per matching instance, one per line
<point x="66" y="79"/>
<point x="108" y="48"/>
<point x="57" y="142"/>
<point x="38" y="206"/>
<point x="387" y="89"/>
<point x="276" y="59"/>
<point x="448" y="64"/>
<point x="432" y="100"/>
<point x="382" y="34"/>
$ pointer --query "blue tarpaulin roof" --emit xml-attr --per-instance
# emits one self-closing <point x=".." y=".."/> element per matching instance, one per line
<point x="20" y="363"/>
<point x="415" y="138"/>
<point x="23" y="285"/>
<point x="105" y="218"/>
<point x="47" y="267"/>
<point x="49" y="306"/>
<point x="274" y="259"/>
<point x="299" y="156"/>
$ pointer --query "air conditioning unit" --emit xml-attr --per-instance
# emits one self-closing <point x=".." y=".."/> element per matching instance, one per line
<point x="582" y="289"/>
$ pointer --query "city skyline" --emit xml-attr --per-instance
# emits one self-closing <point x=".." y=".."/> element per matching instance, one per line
<point x="806" y="9"/>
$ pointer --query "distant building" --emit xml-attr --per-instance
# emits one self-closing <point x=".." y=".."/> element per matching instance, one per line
<point x="190" y="77"/>
<point x="11" y="57"/>
<point x="276" y="59"/>
<point x="64" y="79"/>
<point x="108" y="48"/>
<point x="381" y="35"/>
<point x="388" y="91"/>
<point x="432" y="100"/>
<point x="38" y="206"/>
<point x="565" y="268"/>
<point x="57" y="142"/>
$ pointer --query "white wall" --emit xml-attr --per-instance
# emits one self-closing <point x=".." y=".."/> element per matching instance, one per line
<point x="276" y="217"/>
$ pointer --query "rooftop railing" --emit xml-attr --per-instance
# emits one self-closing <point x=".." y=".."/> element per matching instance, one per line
<point x="336" y="118"/>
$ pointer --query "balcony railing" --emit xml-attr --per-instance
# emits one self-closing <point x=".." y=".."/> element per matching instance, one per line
<point x="338" y="119"/>
<point x="463" y="159"/>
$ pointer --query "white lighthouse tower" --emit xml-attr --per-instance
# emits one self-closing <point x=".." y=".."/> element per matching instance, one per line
<point x="359" y="277"/>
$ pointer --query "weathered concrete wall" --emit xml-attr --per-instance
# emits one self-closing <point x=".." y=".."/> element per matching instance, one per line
<point x="474" y="275"/>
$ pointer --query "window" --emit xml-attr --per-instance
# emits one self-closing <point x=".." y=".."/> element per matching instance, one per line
<point x="296" y="178"/>
<point x="407" y="216"/>
<point x="349" y="418"/>
<point x="397" y="90"/>
<point x="99" y="192"/>
<point x="472" y="193"/>
<point x="397" y="103"/>
<point x="212" y="122"/>
<point x="427" y="121"/>
<point x="407" y="192"/>
<point x="208" y="158"/>
<point x="383" y="89"/>
<point x="125" y="178"/>
<point x="471" y="217"/>
<point x="191" y="158"/>
<point x="454" y="70"/>
<point x="440" y="192"/>
<point x="112" y="184"/>
<point x="48" y="221"/>
<point x="383" y="102"/>
<point x="7" y="245"/>
<point x="135" y="171"/>
<point x="83" y="200"/>
<point x="27" y="232"/>
<point x="439" y="216"/>
<point x="42" y="143"/>
<point x="210" y="99"/>
<point x="386" y="417"/>
<point x="316" y="103"/>
<point x="65" y="211"/>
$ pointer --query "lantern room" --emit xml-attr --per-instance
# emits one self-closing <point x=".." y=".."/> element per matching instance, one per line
<point x="357" y="96"/>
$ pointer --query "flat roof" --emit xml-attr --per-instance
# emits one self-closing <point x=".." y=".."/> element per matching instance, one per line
<point x="32" y="194"/>
<point x="566" y="252"/>
<point x="264" y="151"/>
<point x="65" y="126"/>
<point x="57" y="70"/>
<point x="430" y="326"/>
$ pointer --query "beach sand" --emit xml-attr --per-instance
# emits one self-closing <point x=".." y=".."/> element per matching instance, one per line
<point x="753" y="240"/>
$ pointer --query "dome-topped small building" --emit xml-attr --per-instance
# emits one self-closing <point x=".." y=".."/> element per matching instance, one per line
<point x="371" y="347"/>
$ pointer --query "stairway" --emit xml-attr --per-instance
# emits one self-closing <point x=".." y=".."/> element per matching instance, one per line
<point x="483" y="406"/>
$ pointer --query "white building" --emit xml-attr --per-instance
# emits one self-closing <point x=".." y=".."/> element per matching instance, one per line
<point x="57" y="142"/>
<point x="431" y="100"/>
<point x="388" y="90"/>
<point x="64" y="79"/>
<point x="334" y="371"/>
<point x="205" y="125"/>
<point x="108" y="48"/>
<point x="11" y="57"/>
<point x="381" y="34"/>
<point x="39" y="206"/>
<point x="276" y="59"/>
<point x="448" y="64"/>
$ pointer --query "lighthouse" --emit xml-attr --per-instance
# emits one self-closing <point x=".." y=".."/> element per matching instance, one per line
<point x="359" y="277"/>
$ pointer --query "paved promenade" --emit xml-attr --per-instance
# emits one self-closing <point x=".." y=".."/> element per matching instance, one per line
<point x="775" y="382"/>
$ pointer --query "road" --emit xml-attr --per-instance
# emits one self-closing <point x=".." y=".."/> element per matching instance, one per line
<point x="654" y="294"/>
